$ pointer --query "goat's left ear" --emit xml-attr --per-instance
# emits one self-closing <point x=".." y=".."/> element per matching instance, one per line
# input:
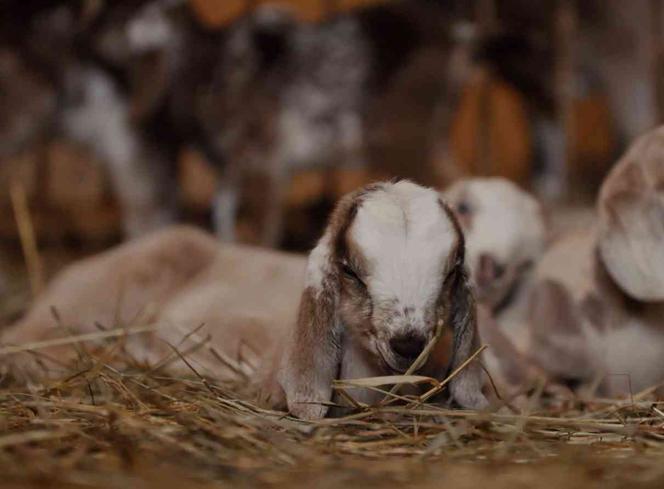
<point x="313" y="354"/>
<point x="466" y="386"/>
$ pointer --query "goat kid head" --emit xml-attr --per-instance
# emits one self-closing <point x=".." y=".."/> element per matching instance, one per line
<point x="505" y="234"/>
<point x="389" y="267"/>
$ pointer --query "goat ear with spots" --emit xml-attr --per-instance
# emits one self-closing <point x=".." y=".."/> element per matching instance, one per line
<point x="466" y="386"/>
<point x="460" y="314"/>
<point x="312" y="356"/>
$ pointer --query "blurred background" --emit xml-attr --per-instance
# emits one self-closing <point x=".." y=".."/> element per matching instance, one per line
<point x="251" y="118"/>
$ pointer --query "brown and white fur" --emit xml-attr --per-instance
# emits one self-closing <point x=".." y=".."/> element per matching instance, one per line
<point x="268" y="95"/>
<point x="404" y="238"/>
<point x="506" y="236"/>
<point x="389" y="267"/>
<point x="57" y="82"/>
<point x="180" y="278"/>
<point x="292" y="95"/>
<point x="597" y="316"/>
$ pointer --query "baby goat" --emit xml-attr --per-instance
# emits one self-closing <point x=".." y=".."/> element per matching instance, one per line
<point x="174" y="280"/>
<point x="598" y="307"/>
<point x="506" y="236"/>
<point x="388" y="270"/>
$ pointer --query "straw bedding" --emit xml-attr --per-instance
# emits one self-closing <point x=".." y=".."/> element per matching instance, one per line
<point x="95" y="424"/>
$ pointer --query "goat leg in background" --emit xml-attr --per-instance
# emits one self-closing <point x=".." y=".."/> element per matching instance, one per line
<point x="151" y="201"/>
<point x="97" y="115"/>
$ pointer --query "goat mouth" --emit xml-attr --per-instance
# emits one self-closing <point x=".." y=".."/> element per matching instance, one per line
<point x="391" y="366"/>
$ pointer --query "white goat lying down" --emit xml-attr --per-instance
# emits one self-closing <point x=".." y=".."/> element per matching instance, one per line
<point x="506" y="236"/>
<point x="175" y="280"/>
<point x="598" y="310"/>
<point x="389" y="268"/>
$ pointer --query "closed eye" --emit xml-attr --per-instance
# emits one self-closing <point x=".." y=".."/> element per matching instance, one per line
<point x="352" y="274"/>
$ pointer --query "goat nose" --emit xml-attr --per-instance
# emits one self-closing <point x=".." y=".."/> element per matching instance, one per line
<point x="488" y="270"/>
<point x="407" y="345"/>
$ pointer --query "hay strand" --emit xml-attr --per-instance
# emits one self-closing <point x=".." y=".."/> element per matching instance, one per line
<point x="26" y="232"/>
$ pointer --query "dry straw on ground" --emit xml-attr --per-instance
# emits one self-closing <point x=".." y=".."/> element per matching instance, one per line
<point x="97" y="425"/>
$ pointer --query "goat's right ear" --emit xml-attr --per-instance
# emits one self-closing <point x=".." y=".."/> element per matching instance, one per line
<point x="312" y="357"/>
<point x="466" y="386"/>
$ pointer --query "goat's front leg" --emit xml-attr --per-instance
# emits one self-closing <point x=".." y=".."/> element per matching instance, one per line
<point x="96" y="114"/>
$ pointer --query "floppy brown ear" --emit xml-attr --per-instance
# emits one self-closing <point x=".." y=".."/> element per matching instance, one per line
<point x="311" y="359"/>
<point x="631" y="231"/>
<point x="313" y="354"/>
<point x="466" y="386"/>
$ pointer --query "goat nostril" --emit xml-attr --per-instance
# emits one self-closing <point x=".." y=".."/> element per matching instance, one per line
<point x="408" y="346"/>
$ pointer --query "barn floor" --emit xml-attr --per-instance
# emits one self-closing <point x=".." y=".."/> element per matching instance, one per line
<point x="94" y="425"/>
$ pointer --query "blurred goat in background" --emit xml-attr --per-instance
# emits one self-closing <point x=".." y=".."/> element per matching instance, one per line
<point x="247" y="297"/>
<point x="597" y="308"/>
<point x="433" y="91"/>
<point x="269" y="94"/>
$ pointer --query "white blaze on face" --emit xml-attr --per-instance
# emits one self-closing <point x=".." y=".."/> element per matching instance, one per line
<point x="405" y="238"/>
